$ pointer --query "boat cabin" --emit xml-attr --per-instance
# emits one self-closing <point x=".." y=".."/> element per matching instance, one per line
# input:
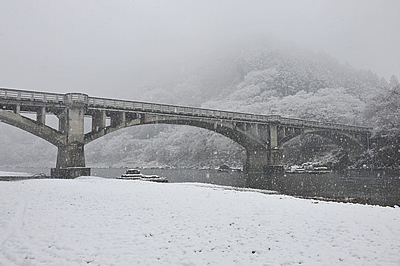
<point x="132" y="172"/>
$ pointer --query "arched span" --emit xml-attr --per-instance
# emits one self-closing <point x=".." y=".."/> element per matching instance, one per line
<point x="227" y="128"/>
<point x="42" y="131"/>
<point x="342" y="139"/>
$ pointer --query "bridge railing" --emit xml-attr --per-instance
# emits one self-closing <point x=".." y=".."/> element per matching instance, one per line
<point x="73" y="98"/>
<point x="175" y="109"/>
<point x="21" y="95"/>
<point x="212" y="113"/>
<point x="318" y="124"/>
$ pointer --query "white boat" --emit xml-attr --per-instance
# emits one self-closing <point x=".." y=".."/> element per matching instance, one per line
<point x="154" y="178"/>
<point x="131" y="174"/>
<point x="135" y="174"/>
<point x="310" y="170"/>
<point x="321" y="170"/>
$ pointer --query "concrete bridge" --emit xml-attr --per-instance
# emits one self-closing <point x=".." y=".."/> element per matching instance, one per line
<point x="261" y="135"/>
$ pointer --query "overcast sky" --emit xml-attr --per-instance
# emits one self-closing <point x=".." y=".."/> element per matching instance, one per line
<point x="104" y="47"/>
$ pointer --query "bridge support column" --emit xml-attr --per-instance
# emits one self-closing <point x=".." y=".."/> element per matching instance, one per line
<point x="273" y="136"/>
<point x="118" y="119"/>
<point x="259" y="170"/>
<point x="275" y="157"/>
<point x="255" y="161"/>
<point x="261" y="161"/>
<point x="70" y="162"/>
<point x="41" y="116"/>
<point x="262" y="166"/>
<point x="71" y="157"/>
<point x="99" y="121"/>
<point x="17" y="109"/>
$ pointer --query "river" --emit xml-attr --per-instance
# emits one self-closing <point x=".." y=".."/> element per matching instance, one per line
<point x="381" y="187"/>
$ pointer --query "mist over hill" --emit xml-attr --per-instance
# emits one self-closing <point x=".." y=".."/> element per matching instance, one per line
<point x="264" y="78"/>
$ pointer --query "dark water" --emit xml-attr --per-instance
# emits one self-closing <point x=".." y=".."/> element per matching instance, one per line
<point x="234" y="179"/>
<point x="381" y="187"/>
<point x="377" y="187"/>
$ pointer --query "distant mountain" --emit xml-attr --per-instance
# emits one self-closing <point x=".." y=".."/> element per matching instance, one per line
<point x="268" y="79"/>
<point x="264" y="78"/>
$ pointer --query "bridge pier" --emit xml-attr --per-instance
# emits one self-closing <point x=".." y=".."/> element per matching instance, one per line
<point x="70" y="172"/>
<point x="262" y="167"/>
<point x="255" y="161"/>
<point x="258" y="160"/>
<point x="264" y="160"/>
<point x="71" y="156"/>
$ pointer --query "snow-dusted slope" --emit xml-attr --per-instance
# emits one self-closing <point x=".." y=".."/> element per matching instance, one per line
<point x="98" y="221"/>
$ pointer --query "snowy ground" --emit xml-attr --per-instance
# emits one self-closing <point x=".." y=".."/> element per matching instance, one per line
<point x="99" y="221"/>
<point x="16" y="174"/>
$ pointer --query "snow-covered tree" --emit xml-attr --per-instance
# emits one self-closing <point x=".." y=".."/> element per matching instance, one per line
<point x="384" y="110"/>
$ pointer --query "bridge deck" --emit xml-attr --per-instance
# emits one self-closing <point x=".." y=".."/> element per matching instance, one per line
<point x="29" y="100"/>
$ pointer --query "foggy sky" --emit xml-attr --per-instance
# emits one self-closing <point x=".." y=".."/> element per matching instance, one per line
<point x="106" y="47"/>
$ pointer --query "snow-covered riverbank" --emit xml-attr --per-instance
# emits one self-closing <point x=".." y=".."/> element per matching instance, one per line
<point x="99" y="221"/>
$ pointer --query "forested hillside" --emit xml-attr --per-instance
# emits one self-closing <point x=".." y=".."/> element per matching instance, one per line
<point x="267" y="78"/>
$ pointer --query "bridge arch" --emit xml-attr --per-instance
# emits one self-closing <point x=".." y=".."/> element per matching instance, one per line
<point x="40" y="130"/>
<point x="262" y="141"/>
<point x="174" y="145"/>
<point x="230" y="129"/>
<point x="342" y="139"/>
